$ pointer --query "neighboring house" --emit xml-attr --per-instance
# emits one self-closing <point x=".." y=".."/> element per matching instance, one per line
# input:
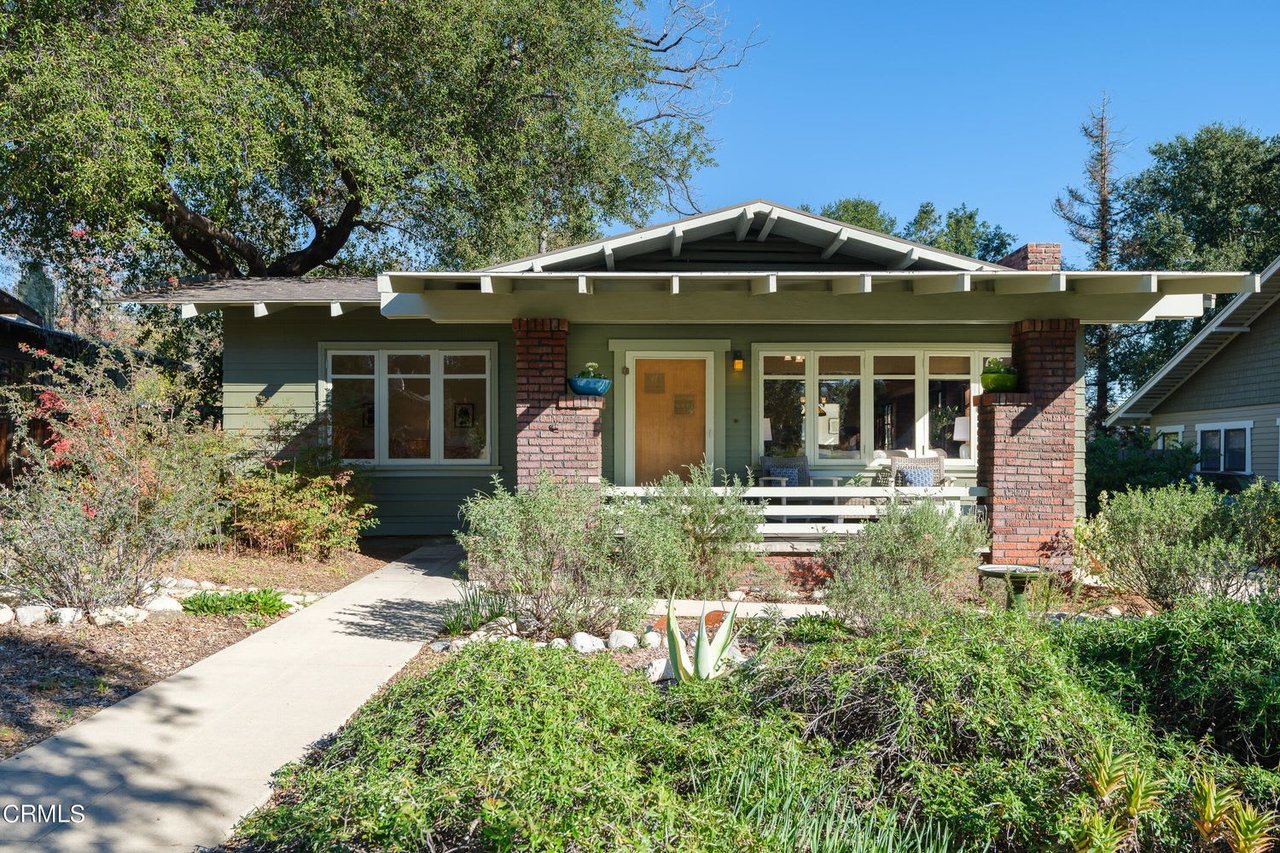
<point x="20" y="325"/>
<point x="752" y="333"/>
<point x="1221" y="393"/>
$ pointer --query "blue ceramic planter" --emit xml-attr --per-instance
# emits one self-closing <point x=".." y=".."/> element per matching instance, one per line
<point x="589" y="387"/>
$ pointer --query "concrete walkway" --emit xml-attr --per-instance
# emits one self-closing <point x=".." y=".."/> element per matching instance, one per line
<point x="175" y="766"/>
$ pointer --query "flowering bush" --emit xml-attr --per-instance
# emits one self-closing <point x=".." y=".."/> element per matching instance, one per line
<point x="305" y="506"/>
<point x="115" y="476"/>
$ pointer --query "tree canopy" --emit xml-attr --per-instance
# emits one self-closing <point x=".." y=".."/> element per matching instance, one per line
<point x="239" y="138"/>
<point x="959" y="230"/>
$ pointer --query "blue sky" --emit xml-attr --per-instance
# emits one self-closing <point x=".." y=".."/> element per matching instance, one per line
<point x="976" y="102"/>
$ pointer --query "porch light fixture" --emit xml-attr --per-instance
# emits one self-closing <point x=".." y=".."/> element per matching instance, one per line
<point x="739" y="364"/>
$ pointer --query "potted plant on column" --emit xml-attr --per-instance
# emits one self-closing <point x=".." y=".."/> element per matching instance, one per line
<point x="590" y="382"/>
<point x="998" y="376"/>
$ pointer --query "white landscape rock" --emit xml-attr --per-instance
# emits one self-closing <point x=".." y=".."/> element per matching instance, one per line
<point x="10" y="596"/>
<point x="126" y="616"/>
<point x="67" y="615"/>
<point x="440" y="646"/>
<point x="6" y="614"/>
<point x="737" y="595"/>
<point x="208" y="585"/>
<point x="1114" y="611"/>
<point x="622" y="640"/>
<point x="651" y="639"/>
<point x="32" y="614"/>
<point x="163" y="607"/>
<point x="660" y="670"/>
<point x="559" y="643"/>
<point x="586" y="643"/>
<point x="185" y="583"/>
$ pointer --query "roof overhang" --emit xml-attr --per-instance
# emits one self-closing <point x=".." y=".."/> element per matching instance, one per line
<point x="1233" y="321"/>
<point x="994" y="295"/>
<point x="265" y="296"/>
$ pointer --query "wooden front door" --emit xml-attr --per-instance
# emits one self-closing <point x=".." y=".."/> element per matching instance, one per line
<point x="671" y="419"/>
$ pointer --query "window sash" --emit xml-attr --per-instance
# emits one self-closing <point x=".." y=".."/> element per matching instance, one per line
<point x="437" y="377"/>
<point x="1213" y="444"/>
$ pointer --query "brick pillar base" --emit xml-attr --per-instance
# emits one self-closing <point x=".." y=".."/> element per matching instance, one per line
<point x="1026" y="449"/>
<point x="556" y="431"/>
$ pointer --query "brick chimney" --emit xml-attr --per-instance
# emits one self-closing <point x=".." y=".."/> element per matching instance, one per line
<point x="1034" y="257"/>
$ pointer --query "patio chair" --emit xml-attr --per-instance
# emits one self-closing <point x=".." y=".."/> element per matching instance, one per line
<point x="928" y="469"/>
<point x="794" y="470"/>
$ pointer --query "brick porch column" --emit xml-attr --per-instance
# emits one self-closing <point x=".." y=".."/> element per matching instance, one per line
<point x="1027" y="449"/>
<point x="556" y="430"/>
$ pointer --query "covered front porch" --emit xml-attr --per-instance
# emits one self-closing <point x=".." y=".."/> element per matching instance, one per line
<point x="815" y="356"/>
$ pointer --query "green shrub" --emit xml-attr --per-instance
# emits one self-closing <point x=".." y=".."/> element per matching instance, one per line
<point x="117" y="477"/>
<point x="1166" y="544"/>
<point x="505" y="747"/>
<point x="795" y="808"/>
<point x="1204" y="669"/>
<point x="1254" y="521"/>
<point x="552" y="550"/>
<point x="699" y="540"/>
<point x="975" y="723"/>
<point x="474" y="607"/>
<point x="1116" y="464"/>
<point x="309" y="507"/>
<point x="260" y="602"/>
<point x="898" y="565"/>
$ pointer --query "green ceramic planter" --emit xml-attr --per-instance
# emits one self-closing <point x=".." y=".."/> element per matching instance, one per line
<point x="997" y="382"/>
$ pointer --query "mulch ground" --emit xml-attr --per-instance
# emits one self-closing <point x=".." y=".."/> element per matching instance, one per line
<point x="241" y="569"/>
<point x="52" y="676"/>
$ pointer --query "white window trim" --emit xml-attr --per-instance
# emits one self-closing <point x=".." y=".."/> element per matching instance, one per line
<point x="977" y="354"/>
<point x="437" y="350"/>
<point x="1222" y="427"/>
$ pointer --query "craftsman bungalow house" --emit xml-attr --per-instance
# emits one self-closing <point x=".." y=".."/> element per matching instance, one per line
<point x="752" y="333"/>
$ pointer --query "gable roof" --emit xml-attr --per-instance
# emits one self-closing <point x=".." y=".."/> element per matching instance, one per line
<point x="755" y="224"/>
<point x="1231" y="322"/>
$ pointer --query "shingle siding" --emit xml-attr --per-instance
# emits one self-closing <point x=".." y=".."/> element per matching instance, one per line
<point x="1245" y="373"/>
<point x="1264" y="448"/>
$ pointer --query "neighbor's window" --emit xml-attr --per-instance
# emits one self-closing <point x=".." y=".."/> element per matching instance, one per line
<point x="403" y="406"/>
<point x="1168" y="438"/>
<point x="1224" y="448"/>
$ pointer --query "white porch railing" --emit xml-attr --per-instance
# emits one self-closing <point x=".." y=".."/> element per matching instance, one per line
<point x="796" y="517"/>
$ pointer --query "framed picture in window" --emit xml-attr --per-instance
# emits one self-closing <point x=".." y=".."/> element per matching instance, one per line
<point x="464" y="415"/>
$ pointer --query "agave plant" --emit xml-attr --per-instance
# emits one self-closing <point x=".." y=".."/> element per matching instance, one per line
<point x="708" y="653"/>
<point x="1106" y="770"/>
<point x="1097" y="833"/>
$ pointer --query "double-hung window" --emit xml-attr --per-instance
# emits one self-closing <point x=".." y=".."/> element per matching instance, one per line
<point x="410" y="406"/>
<point x="1225" y="448"/>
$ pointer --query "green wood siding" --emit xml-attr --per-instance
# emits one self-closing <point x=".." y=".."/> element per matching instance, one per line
<point x="272" y="364"/>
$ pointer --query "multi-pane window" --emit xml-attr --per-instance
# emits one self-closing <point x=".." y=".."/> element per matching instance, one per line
<point x="836" y="406"/>
<point x="1224" y="448"/>
<point x="405" y="406"/>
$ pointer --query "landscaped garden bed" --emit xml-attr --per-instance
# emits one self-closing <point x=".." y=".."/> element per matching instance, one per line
<point x="916" y="715"/>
